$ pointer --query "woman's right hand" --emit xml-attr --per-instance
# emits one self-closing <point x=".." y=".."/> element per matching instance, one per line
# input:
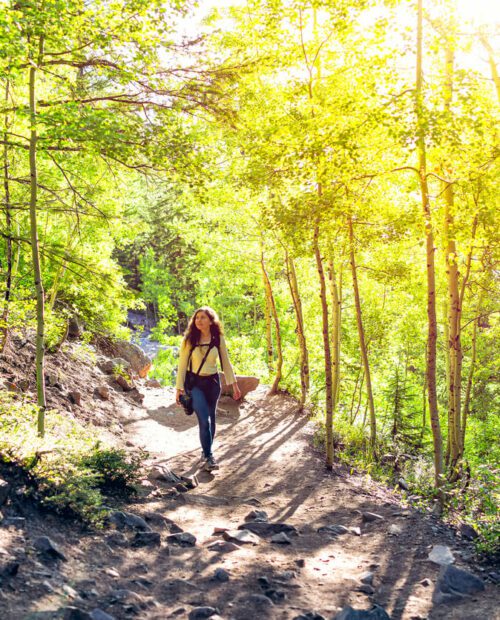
<point x="177" y="395"/>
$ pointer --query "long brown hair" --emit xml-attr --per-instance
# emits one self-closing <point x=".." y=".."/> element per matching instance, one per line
<point x="193" y="334"/>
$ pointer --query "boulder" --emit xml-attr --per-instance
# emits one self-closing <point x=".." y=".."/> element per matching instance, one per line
<point x="140" y="363"/>
<point x="246" y="384"/>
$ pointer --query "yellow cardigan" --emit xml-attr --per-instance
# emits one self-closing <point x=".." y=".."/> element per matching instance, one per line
<point x="210" y="365"/>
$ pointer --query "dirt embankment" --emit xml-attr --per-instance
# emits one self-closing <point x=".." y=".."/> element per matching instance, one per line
<point x="271" y="534"/>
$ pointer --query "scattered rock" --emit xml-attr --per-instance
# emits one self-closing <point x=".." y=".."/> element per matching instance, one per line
<point x="117" y="538"/>
<point x="223" y="547"/>
<point x="161" y="472"/>
<point x="276" y="596"/>
<point x="19" y="522"/>
<point x="74" y="613"/>
<point x="199" y="613"/>
<point x="268" y="529"/>
<point x="146" y="539"/>
<point x="48" y="547"/>
<point x="129" y="520"/>
<point x="370" y="517"/>
<point x="402" y="484"/>
<point x="300" y="562"/>
<point x="243" y="537"/>
<point x="259" y="600"/>
<point x="153" y="383"/>
<point x="375" y="613"/>
<point x="454" y="584"/>
<point x="333" y="531"/>
<point x="110" y="366"/>
<point x="136" y="396"/>
<point x="426" y="582"/>
<point x="10" y="569"/>
<point x="221" y="575"/>
<point x="75" y="397"/>
<point x="103" y="391"/>
<point x="99" y="614"/>
<point x="467" y="531"/>
<point x="442" y="555"/>
<point x="367" y="578"/>
<point x="257" y="515"/>
<point x="4" y="491"/>
<point x="182" y="539"/>
<point x="281" y="539"/>
<point x="395" y="529"/>
<point x="126" y="386"/>
<point x="309" y="615"/>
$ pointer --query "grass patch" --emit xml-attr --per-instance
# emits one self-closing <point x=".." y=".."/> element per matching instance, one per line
<point x="68" y="470"/>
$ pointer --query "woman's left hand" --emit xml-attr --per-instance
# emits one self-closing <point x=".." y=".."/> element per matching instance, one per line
<point x="236" y="392"/>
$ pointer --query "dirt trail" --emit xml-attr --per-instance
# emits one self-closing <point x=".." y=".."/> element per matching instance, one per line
<point x="267" y="462"/>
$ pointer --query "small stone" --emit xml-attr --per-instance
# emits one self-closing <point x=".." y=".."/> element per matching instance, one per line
<point x="182" y="539"/>
<point x="4" y="491"/>
<point x="257" y="515"/>
<point x="153" y="383"/>
<point x="333" y="530"/>
<point x="442" y="555"/>
<point x="75" y="397"/>
<point x="117" y="538"/>
<point x="146" y="539"/>
<point x="395" y="529"/>
<point x="199" y="613"/>
<point x="309" y="615"/>
<point x="277" y="596"/>
<point x="367" y="578"/>
<point x="375" y="613"/>
<point x="99" y="614"/>
<point x="73" y="613"/>
<point x="426" y="582"/>
<point x="369" y="517"/>
<point x="300" y="562"/>
<point x="467" y="531"/>
<point x="259" y="600"/>
<point x="45" y="545"/>
<point x="112" y="572"/>
<point x="223" y="547"/>
<point x="281" y="539"/>
<point x="454" y="583"/>
<point x="221" y="575"/>
<point x="243" y="537"/>
<point x="355" y="530"/>
<point x="103" y="392"/>
<point x="402" y="484"/>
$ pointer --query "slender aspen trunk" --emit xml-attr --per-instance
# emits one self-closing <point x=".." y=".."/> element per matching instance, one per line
<point x="40" y="318"/>
<point x="326" y="346"/>
<point x="277" y="332"/>
<point x="470" y="378"/>
<point x="297" y="304"/>
<point x="431" y="279"/>
<point x="4" y="330"/>
<point x="362" y="340"/>
<point x="354" y="392"/>
<point x="453" y="340"/>
<point x="336" y="295"/>
<point x="268" y="317"/>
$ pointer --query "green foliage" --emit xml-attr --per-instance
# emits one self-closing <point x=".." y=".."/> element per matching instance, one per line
<point x="68" y="469"/>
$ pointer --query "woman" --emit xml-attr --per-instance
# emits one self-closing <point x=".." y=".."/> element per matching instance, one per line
<point x="202" y="345"/>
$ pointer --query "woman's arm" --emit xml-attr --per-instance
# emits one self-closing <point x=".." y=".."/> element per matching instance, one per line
<point x="181" y="369"/>
<point x="227" y="369"/>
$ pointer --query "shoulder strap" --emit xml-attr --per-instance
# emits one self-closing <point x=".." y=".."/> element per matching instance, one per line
<point x="204" y="358"/>
<point x="220" y="359"/>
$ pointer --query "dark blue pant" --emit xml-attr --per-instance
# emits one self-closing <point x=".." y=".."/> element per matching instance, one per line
<point x="205" y="393"/>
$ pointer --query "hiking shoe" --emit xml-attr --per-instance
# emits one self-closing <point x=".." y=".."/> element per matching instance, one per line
<point x="211" y="464"/>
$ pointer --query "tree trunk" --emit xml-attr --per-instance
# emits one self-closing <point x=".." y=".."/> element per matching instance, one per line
<point x="40" y="318"/>
<point x="362" y="341"/>
<point x="470" y="378"/>
<point x="297" y="304"/>
<point x="279" y="351"/>
<point x="326" y="346"/>
<point x="336" y="295"/>
<point x="4" y="330"/>
<point x="431" y="284"/>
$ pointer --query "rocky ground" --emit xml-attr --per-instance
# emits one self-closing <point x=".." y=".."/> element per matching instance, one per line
<point x="271" y="534"/>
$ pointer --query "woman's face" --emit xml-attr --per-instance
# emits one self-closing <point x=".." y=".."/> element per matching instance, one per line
<point x="202" y="321"/>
